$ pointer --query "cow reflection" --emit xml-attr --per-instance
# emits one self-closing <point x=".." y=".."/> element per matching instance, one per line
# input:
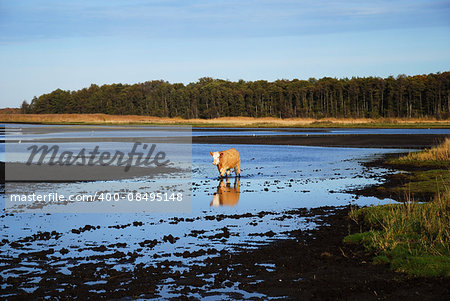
<point x="227" y="195"/>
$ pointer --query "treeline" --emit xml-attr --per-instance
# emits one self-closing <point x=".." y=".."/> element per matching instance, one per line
<point x="401" y="96"/>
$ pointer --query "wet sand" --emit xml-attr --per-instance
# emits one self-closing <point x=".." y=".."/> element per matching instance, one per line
<point x="413" y="141"/>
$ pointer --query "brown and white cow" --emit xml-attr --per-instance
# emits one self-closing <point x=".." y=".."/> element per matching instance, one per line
<point x="227" y="195"/>
<point x="226" y="160"/>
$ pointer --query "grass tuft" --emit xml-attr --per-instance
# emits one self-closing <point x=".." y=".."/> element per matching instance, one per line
<point x="439" y="153"/>
<point x="414" y="238"/>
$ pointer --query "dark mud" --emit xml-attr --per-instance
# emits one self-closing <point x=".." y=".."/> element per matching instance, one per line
<point x="412" y="141"/>
<point x="309" y="265"/>
<point x="354" y="140"/>
<point x="316" y="265"/>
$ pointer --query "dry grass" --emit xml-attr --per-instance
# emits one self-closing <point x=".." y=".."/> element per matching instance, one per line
<point x="224" y="121"/>
<point x="438" y="153"/>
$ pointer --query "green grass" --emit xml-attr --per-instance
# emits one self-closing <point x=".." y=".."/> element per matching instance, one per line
<point x="429" y="164"/>
<point x="428" y="172"/>
<point x="424" y="182"/>
<point x="413" y="238"/>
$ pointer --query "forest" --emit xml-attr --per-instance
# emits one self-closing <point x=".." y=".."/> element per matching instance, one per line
<point x="402" y="96"/>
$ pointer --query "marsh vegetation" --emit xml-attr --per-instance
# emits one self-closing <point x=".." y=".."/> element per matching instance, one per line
<point x="413" y="237"/>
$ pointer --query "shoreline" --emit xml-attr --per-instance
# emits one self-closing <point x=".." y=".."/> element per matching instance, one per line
<point x="224" y="122"/>
<point x="309" y="264"/>
<point x="316" y="264"/>
<point x="410" y="141"/>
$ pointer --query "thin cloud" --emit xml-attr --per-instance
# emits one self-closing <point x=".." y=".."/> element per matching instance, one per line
<point x="30" y="20"/>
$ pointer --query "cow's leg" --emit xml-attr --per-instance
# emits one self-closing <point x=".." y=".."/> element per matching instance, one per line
<point x="222" y="172"/>
<point x="237" y="169"/>
<point x="228" y="172"/>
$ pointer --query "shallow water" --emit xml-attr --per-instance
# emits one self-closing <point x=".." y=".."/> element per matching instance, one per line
<point x="240" y="213"/>
<point x="27" y="132"/>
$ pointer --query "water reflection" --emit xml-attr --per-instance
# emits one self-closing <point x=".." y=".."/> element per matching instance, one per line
<point x="227" y="195"/>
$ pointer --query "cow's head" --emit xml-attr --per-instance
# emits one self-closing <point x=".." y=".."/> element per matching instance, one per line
<point x="216" y="156"/>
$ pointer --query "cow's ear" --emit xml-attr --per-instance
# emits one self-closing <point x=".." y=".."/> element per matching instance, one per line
<point x="211" y="154"/>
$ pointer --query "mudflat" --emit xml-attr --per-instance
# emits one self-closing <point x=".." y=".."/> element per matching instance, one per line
<point x="354" y="140"/>
<point x="308" y="265"/>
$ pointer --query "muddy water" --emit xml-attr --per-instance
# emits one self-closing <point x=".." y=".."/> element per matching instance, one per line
<point x="226" y="215"/>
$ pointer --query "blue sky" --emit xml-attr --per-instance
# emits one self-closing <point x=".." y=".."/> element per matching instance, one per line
<point x="45" y="45"/>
